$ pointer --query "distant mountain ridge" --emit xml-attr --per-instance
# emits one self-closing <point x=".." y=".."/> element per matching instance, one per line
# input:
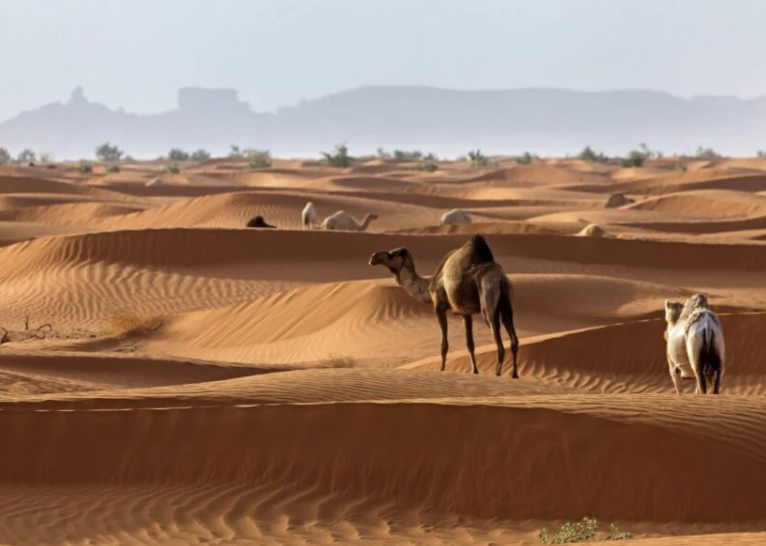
<point x="449" y="122"/>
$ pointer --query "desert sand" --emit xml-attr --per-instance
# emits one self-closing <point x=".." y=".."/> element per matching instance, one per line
<point x="171" y="377"/>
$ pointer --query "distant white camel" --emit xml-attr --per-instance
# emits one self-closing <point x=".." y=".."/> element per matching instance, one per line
<point x="343" y="221"/>
<point x="594" y="230"/>
<point x="309" y="216"/>
<point x="455" y="216"/>
<point x="695" y="344"/>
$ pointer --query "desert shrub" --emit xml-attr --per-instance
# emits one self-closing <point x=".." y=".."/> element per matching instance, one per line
<point x="585" y="530"/>
<point x="235" y="151"/>
<point x="427" y="164"/>
<point x="200" y="155"/>
<point x="262" y="162"/>
<point x="382" y="154"/>
<point x="177" y="154"/>
<point x="113" y="169"/>
<point x="172" y="168"/>
<point x="85" y="167"/>
<point x="45" y="157"/>
<point x="408" y="155"/>
<point x="760" y="153"/>
<point x="477" y="159"/>
<point x="634" y="159"/>
<point x="27" y="156"/>
<point x="525" y="159"/>
<point x="124" y="323"/>
<point x="108" y="153"/>
<point x="706" y="153"/>
<point x="338" y="158"/>
<point x="677" y="166"/>
<point x="5" y="156"/>
<point x="587" y="154"/>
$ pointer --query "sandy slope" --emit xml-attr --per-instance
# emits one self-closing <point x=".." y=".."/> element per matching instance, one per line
<point x="204" y="382"/>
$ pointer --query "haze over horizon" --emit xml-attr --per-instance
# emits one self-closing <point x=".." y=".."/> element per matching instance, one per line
<point x="137" y="54"/>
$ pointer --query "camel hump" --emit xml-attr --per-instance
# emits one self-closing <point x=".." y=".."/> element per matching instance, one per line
<point x="480" y="250"/>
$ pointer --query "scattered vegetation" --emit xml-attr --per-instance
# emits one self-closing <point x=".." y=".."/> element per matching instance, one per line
<point x="40" y="332"/>
<point x="760" y="153"/>
<point x="677" y="166"/>
<point x="200" y="155"/>
<point x="45" y="157"/>
<point x="478" y="159"/>
<point x="259" y="159"/>
<point x="408" y="155"/>
<point x="338" y="158"/>
<point x="85" y="168"/>
<point x="382" y="154"/>
<point x="27" y="156"/>
<point x="5" y="156"/>
<point x="587" y="154"/>
<point x="706" y="153"/>
<point x="338" y="361"/>
<point x="171" y="168"/>
<point x="126" y="323"/>
<point x="585" y="530"/>
<point x="108" y="153"/>
<point x="176" y="154"/>
<point x="634" y="159"/>
<point x="526" y="159"/>
<point x="235" y="151"/>
<point x="113" y="169"/>
<point x="427" y="164"/>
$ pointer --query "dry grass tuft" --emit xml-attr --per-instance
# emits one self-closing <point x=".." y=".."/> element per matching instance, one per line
<point x="127" y="323"/>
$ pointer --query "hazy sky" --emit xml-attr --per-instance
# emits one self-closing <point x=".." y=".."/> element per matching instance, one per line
<point x="137" y="53"/>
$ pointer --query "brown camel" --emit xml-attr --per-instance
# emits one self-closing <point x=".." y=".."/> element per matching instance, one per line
<point x="467" y="282"/>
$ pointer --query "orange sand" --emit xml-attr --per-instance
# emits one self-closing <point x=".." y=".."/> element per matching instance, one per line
<point x="208" y="383"/>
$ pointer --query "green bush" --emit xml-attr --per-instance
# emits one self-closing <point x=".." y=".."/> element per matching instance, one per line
<point x="634" y="159"/>
<point x="585" y="530"/>
<point x="172" y="169"/>
<point x="706" y="153"/>
<point x="5" y="156"/>
<point x="405" y="155"/>
<point x="525" y="159"/>
<point x="382" y="154"/>
<point x="200" y="155"/>
<point x="427" y="164"/>
<point x="587" y="154"/>
<point x="260" y="163"/>
<point x="338" y="158"/>
<point x="235" y="151"/>
<point x="177" y="154"/>
<point x="113" y="169"/>
<point x="478" y="159"/>
<point x="679" y="166"/>
<point x="108" y="153"/>
<point x="85" y="168"/>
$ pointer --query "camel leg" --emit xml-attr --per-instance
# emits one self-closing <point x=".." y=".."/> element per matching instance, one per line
<point x="717" y="382"/>
<point x="441" y="315"/>
<point x="468" y="321"/>
<point x="674" y="377"/>
<point x="701" y="381"/>
<point x="508" y="323"/>
<point x="495" y="326"/>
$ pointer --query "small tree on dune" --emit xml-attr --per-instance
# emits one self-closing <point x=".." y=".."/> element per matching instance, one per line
<point x="27" y="156"/>
<point x="5" y="156"/>
<point x="200" y="155"/>
<point x="339" y="158"/>
<point x="108" y="153"/>
<point x="177" y="154"/>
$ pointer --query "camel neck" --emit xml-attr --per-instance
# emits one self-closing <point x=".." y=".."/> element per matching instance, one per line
<point x="415" y="285"/>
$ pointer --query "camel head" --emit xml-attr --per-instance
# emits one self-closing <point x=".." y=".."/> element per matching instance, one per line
<point x="697" y="300"/>
<point x="395" y="260"/>
<point x="673" y="311"/>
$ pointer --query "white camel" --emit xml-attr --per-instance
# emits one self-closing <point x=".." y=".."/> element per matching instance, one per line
<point x="455" y="216"/>
<point x="695" y="343"/>
<point x="309" y="216"/>
<point x="343" y="221"/>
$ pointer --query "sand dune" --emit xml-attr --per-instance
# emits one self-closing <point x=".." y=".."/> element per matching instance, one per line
<point x="199" y="381"/>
